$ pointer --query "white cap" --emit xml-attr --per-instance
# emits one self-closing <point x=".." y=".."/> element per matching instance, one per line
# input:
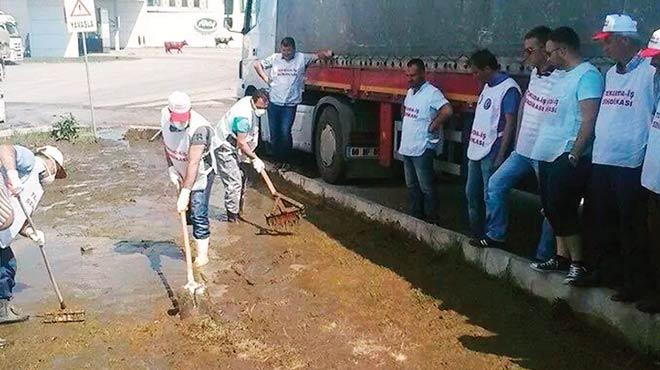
<point x="57" y="156"/>
<point x="653" y="48"/>
<point x="616" y="23"/>
<point x="179" y="106"/>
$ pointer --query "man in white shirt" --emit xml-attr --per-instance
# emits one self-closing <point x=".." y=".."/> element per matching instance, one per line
<point x="424" y="111"/>
<point x="651" y="168"/>
<point x="287" y="82"/>
<point x="622" y="127"/>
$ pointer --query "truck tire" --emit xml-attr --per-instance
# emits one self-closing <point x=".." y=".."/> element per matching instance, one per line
<point x="329" y="148"/>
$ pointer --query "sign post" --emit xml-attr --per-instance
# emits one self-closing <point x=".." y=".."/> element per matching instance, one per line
<point x="81" y="17"/>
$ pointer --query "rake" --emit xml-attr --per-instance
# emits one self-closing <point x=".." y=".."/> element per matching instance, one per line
<point x="286" y="212"/>
<point x="62" y="315"/>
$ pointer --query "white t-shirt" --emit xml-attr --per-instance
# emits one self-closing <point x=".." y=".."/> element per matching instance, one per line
<point x="287" y="77"/>
<point x="622" y="126"/>
<point x="537" y="95"/>
<point x="419" y="110"/>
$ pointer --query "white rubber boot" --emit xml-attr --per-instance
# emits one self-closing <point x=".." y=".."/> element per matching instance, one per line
<point x="202" y="252"/>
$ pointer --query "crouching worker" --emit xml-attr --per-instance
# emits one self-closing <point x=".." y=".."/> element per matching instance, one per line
<point x="236" y="133"/>
<point x="189" y="143"/>
<point x="23" y="174"/>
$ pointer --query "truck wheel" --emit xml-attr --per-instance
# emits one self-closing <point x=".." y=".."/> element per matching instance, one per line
<point x="329" y="148"/>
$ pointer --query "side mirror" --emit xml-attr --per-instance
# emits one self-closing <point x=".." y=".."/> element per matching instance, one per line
<point x="229" y="25"/>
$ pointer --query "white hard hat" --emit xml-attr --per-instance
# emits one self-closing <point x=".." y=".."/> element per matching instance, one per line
<point x="57" y="156"/>
<point x="653" y="49"/>
<point x="616" y="23"/>
<point x="179" y="106"/>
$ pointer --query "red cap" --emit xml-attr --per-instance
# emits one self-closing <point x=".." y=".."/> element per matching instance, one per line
<point x="601" y="35"/>
<point x="649" y="52"/>
<point x="179" y="117"/>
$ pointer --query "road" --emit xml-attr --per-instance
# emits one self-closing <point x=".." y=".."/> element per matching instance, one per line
<point x="129" y="90"/>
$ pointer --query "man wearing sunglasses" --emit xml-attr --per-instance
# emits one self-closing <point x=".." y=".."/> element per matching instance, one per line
<point x="519" y="164"/>
<point x="563" y="149"/>
<point x="622" y="128"/>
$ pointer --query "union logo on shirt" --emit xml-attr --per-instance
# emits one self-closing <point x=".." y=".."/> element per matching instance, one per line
<point x="488" y="103"/>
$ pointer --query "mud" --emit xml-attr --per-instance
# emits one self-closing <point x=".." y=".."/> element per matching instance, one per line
<point x="342" y="292"/>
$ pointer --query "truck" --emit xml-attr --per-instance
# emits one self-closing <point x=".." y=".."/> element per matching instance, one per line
<point x="350" y="116"/>
<point x="8" y="24"/>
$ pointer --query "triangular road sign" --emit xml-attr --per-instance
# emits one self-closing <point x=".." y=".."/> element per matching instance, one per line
<point x="80" y="10"/>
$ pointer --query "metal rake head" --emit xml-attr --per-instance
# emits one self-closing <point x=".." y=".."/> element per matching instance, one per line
<point x="63" y="316"/>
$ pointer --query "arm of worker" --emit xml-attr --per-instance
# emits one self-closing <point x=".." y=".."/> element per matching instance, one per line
<point x="590" y="90"/>
<point x="521" y="108"/>
<point x="260" y="66"/>
<point x="11" y="158"/>
<point x="243" y="144"/>
<point x="194" y="157"/>
<point x="510" y="105"/>
<point x="173" y="174"/>
<point x="443" y="111"/>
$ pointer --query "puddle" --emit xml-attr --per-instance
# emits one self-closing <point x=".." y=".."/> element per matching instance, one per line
<point x="109" y="277"/>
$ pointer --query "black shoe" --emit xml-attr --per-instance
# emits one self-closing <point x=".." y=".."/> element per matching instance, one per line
<point x="576" y="274"/>
<point x="486" y="243"/>
<point x="626" y="296"/>
<point x="649" y="305"/>
<point x="554" y="264"/>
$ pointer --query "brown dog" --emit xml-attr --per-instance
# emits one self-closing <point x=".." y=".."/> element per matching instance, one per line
<point x="174" y="45"/>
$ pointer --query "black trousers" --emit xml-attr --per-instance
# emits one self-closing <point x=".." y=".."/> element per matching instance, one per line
<point x="620" y="221"/>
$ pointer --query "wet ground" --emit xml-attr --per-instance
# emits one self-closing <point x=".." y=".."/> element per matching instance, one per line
<point x="342" y="292"/>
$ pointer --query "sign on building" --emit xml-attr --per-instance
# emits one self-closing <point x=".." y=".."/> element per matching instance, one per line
<point x="80" y="15"/>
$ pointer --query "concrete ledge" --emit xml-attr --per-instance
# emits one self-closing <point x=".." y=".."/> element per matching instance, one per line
<point x="24" y="131"/>
<point x="641" y="330"/>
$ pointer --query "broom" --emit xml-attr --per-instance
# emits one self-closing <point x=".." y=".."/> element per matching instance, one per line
<point x="63" y="315"/>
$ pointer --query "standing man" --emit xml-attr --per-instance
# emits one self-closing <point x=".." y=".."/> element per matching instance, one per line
<point x="651" y="168"/>
<point x="189" y="144"/>
<point x="235" y="132"/>
<point x="287" y="82"/>
<point x="24" y="174"/>
<point x="425" y="111"/>
<point x="493" y="131"/>
<point x="622" y="129"/>
<point x="563" y="149"/>
<point x="519" y="164"/>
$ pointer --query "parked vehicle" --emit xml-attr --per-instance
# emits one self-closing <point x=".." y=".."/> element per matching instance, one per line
<point x="8" y="24"/>
<point x="350" y="115"/>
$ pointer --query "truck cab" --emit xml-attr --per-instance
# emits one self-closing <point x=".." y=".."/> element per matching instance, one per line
<point x="15" y="53"/>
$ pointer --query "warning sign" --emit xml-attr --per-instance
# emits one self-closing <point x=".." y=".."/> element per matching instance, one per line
<point x="80" y="15"/>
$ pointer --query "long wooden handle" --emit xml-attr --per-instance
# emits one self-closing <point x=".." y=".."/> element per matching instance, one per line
<point x="43" y="254"/>
<point x="269" y="183"/>
<point x="186" y="245"/>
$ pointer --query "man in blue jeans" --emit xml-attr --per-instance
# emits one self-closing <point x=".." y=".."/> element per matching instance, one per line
<point x="287" y="82"/>
<point x="424" y="111"/>
<point x="492" y="133"/>
<point x="190" y="143"/>
<point x="519" y="165"/>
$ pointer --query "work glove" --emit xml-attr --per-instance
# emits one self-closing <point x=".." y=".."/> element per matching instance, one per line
<point x="183" y="201"/>
<point x="175" y="178"/>
<point x="14" y="183"/>
<point x="36" y="236"/>
<point x="258" y="165"/>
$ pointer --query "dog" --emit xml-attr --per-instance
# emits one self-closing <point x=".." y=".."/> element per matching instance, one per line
<point x="174" y="45"/>
<point x="223" y="41"/>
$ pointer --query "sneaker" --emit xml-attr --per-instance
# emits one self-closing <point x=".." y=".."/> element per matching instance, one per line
<point x="576" y="273"/>
<point x="554" y="264"/>
<point x="486" y="243"/>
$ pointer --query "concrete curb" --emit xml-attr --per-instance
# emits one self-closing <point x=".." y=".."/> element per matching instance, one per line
<point x="640" y="330"/>
<point x="24" y="131"/>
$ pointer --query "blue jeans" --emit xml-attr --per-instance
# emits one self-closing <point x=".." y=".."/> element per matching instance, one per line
<point x="7" y="272"/>
<point x="280" y="121"/>
<point x="476" y="191"/>
<point x="514" y="169"/>
<point x="419" y="181"/>
<point x="198" y="210"/>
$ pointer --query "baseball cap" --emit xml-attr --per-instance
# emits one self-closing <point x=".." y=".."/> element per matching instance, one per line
<point x="179" y="106"/>
<point x="653" y="48"/>
<point x="616" y="23"/>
